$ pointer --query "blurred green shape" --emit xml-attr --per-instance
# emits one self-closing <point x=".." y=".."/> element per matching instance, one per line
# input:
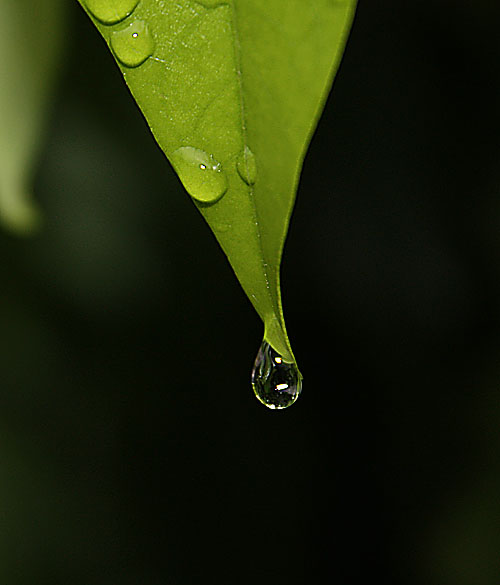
<point x="31" y="34"/>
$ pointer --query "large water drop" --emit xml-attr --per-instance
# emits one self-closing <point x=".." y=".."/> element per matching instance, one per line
<point x="201" y="175"/>
<point x="276" y="383"/>
<point x="133" y="45"/>
<point x="111" y="11"/>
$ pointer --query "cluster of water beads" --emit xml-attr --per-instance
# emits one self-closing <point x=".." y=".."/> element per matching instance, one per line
<point x="276" y="383"/>
<point x="201" y="174"/>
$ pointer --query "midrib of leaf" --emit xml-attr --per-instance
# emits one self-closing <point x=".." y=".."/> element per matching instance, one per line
<point x="276" y="303"/>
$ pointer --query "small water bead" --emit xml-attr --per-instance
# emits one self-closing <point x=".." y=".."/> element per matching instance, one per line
<point x="111" y="11"/>
<point x="133" y="44"/>
<point x="276" y="383"/>
<point x="202" y="176"/>
<point x="247" y="167"/>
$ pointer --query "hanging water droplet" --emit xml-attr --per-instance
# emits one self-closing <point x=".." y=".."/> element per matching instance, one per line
<point x="247" y="167"/>
<point x="276" y="383"/>
<point x="201" y="175"/>
<point x="111" y="11"/>
<point x="133" y="45"/>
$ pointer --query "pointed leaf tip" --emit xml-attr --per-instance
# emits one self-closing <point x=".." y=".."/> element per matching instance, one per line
<point x="232" y="91"/>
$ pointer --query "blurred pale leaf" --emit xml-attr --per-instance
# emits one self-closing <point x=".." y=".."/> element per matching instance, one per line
<point x="31" y="34"/>
<point x="232" y="91"/>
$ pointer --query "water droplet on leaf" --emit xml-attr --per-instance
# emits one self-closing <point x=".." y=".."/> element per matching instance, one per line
<point x="111" y="11"/>
<point x="276" y="383"/>
<point x="202" y="176"/>
<point x="133" y="45"/>
<point x="247" y="167"/>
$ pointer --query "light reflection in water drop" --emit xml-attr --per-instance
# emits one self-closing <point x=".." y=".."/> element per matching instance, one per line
<point x="132" y="45"/>
<point x="276" y="383"/>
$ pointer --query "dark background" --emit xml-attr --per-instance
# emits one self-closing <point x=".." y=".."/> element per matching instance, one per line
<point x="132" y="448"/>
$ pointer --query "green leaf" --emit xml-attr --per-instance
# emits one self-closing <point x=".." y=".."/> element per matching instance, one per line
<point x="232" y="91"/>
<point x="30" y="48"/>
